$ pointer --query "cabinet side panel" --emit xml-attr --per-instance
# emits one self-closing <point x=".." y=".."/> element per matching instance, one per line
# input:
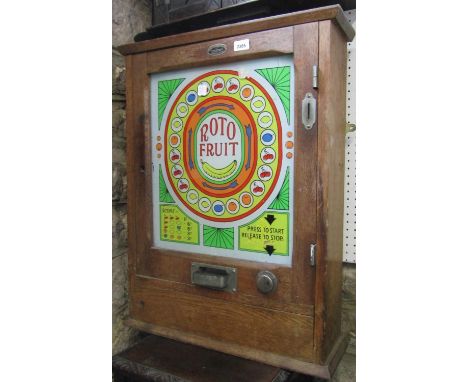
<point x="135" y="125"/>
<point x="130" y="147"/>
<point x="330" y="175"/>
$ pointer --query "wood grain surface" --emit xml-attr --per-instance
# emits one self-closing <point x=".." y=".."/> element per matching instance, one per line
<point x="250" y="326"/>
<point x="305" y="164"/>
<point x="298" y="326"/>
<point x="334" y="12"/>
<point x="155" y="357"/>
<point x="273" y="359"/>
<point x="330" y="177"/>
<point x="262" y="44"/>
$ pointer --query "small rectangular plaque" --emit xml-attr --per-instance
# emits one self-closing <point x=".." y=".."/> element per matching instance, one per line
<point x="241" y="45"/>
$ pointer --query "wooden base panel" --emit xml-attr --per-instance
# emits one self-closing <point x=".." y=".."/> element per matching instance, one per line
<point x="251" y="326"/>
<point x="158" y="359"/>
<point x="321" y="371"/>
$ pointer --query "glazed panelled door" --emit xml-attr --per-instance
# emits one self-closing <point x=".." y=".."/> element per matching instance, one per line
<point x="223" y="158"/>
<point x="229" y="211"/>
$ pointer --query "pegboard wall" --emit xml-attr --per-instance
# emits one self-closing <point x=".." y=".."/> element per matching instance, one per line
<point x="349" y="227"/>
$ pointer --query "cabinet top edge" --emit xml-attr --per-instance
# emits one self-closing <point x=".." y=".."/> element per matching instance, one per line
<point x="333" y="12"/>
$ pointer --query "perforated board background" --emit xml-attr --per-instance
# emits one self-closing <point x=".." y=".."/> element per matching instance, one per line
<point x="349" y="227"/>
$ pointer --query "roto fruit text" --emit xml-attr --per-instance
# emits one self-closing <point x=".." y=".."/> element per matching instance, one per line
<point x="218" y="137"/>
<point x="219" y="145"/>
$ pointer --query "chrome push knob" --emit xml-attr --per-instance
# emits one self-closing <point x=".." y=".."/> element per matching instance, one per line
<point x="267" y="282"/>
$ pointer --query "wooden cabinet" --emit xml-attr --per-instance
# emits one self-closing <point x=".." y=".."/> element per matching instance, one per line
<point x="235" y="141"/>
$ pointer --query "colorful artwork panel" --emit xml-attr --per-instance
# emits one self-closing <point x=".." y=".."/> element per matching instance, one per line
<point x="279" y="79"/>
<point x="165" y="91"/>
<point x="176" y="226"/>
<point x="223" y="153"/>
<point x="267" y="234"/>
<point x="218" y="237"/>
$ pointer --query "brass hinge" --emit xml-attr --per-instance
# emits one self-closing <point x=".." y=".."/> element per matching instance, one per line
<point x="312" y="255"/>
<point x="315" y="77"/>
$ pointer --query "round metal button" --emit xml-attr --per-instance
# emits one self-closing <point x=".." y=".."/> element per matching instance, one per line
<point x="266" y="282"/>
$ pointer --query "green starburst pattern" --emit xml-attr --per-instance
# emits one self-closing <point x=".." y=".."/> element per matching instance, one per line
<point x="164" y="195"/>
<point x="281" y="201"/>
<point x="166" y="89"/>
<point x="218" y="237"/>
<point x="280" y="79"/>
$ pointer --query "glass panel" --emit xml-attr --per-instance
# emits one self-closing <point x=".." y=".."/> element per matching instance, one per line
<point x="222" y="153"/>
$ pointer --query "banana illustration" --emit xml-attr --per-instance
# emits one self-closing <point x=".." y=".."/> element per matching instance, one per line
<point x="219" y="173"/>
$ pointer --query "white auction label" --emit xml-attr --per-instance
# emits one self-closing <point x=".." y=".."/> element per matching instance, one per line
<point x="241" y="45"/>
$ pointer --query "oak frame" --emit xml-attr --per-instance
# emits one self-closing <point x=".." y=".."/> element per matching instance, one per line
<point x="307" y="309"/>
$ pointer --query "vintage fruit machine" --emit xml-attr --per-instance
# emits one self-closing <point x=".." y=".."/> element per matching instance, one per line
<point x="235" y="142"/>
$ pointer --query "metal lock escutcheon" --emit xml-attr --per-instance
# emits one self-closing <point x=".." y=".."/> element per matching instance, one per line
<point x="309" y="111"/>
<point x="267" y="282"/>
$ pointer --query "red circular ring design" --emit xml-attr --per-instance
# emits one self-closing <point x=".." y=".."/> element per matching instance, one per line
<point x="280" y="151"/>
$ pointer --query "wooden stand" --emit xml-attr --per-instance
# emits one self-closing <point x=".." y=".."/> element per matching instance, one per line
<point x="159" y="359"/>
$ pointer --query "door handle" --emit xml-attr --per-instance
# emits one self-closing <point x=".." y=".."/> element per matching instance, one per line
<point x="214" y="277"/>
<point x="209" y="279"/>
